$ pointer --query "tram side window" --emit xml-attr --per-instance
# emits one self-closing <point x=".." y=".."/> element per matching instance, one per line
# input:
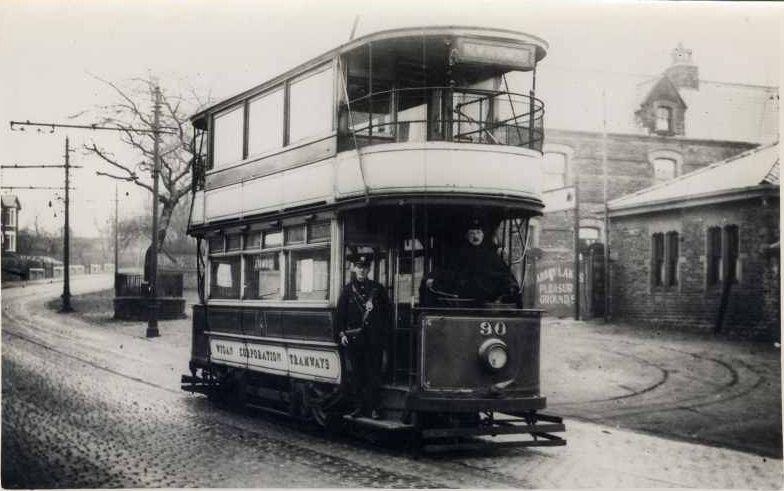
<point x="263" y="276"/>
<point x="225" y="277"/>
<point x="310" y="105"/>
<point x="309" y="275"/>
<point x="227" y="144"/>
<point x="265" y="123"/>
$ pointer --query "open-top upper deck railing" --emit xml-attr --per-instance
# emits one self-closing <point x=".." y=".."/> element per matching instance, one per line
<point x="452" y="114"/>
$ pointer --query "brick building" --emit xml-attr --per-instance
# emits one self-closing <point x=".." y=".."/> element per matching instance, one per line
<point x="10" y="221"/>
<point x="648" y="130"/>
<point x="701" y="251"/>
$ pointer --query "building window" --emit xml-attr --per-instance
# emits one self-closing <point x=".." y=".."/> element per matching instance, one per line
<point x="664" y="169"/>
<point x="310" y="105"/>
<point x="663" y="119"/>
<point x="9" y="244"/>
<point x="730" y="256"/>
<point x="588" y="236"/>
<point x="228" y="137"/>
<point x="713" y="255"/>
<point x="672" y="252"/>
<point x="11" y="221"/>
<point x="657" y="259"/>
<point x="555" y="170"/>
<point x="723" y="252"/>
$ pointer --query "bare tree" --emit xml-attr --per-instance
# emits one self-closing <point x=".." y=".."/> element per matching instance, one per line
<point x="134" y="110"/>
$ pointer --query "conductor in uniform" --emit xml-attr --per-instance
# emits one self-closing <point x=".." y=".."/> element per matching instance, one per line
<point x="363" y="318"/>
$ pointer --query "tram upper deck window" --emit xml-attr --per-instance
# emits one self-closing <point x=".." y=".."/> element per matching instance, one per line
<point x="311" y="103"/>
<point x="227" y="140"/>
<point x="265" y="122"/>
<point x="436" y="88"/>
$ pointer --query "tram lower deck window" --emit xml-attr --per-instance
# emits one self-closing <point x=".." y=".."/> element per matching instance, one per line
<point x="263" y="276"/>
<point x="309" y="274"/>
<point x="225" y="277"/>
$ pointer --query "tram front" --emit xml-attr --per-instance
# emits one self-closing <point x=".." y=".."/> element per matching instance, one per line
<point x="439" y="138"/>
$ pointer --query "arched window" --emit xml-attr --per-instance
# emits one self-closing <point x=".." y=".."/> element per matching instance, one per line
<point x="664" y="169"/>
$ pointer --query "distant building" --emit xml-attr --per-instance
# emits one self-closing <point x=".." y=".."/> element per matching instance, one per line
<point x="651" y="130"/>
<point x="701" y="250"/>
<point x="10" y="221"/>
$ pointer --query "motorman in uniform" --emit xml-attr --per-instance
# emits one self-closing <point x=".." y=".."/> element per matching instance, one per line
<point x="363" y="318"/>
<point x="474" y="272"/>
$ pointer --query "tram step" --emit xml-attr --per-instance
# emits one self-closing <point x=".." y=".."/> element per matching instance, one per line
<point x="381" y="424"/>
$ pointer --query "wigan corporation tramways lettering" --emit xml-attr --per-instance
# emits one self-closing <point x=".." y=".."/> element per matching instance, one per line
<point x="308" y="361"/>
<point x="260" y="354"/>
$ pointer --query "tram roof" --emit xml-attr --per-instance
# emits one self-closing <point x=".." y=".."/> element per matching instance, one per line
<point x="391" y="35"/>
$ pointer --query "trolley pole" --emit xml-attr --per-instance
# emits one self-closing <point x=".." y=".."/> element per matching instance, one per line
<point x="152" y="322"/>
<point x="66" y="297"/>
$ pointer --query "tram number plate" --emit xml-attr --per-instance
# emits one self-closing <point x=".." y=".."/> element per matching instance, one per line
<point x="490" y="328"/>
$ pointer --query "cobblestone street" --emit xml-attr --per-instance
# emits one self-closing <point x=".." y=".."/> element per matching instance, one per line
<point x="88" y="404"/>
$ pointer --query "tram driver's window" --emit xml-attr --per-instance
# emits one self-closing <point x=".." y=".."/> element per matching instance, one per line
<point x="310" y="105"/>
<point x="227" y="140"/>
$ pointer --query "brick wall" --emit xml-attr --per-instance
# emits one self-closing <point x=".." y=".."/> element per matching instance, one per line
<point x="692" y="304"/>
<point x="629" y="170"/>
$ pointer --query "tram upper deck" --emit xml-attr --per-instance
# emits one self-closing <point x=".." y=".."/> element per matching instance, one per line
<point x="404" y="114"/>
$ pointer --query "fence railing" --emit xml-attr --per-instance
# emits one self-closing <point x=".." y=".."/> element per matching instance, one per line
<point x="133" y="285"/>
<point x="461" y="115"/>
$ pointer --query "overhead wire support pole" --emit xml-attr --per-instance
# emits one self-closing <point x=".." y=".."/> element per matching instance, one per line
<point x="66" y="298"/>
<point x="605" y="192"/>
<point x="152" y="321"/>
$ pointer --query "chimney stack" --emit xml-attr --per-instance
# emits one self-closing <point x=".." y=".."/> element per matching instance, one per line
<point x="683" y="73"/>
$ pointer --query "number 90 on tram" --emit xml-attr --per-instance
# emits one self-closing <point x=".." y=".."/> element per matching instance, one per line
<point x="418" y="150"/>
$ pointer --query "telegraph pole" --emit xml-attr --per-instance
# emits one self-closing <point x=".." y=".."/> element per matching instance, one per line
<point x="152" y="321"/>
<point x="66" y="305"/>
<point x="66" y="296"/>
<point x="116" y="249"/>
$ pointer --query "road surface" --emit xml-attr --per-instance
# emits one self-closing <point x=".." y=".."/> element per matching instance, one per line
<point x="100" y="406"/>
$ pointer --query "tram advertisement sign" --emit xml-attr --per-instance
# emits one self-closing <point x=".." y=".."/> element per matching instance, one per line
<point x="555" y="288"/>
<point x="306" y="363"/>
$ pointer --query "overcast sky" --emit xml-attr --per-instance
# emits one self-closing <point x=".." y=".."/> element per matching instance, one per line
<point x="49" y="49"/>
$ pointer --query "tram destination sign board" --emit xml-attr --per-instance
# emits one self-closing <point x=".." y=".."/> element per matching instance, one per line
<point x="514" y="56"/>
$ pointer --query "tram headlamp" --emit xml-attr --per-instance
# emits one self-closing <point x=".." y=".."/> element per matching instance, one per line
<point x="494" y="354"/>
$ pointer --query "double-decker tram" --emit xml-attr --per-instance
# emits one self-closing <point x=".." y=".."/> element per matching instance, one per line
<point x="411" y="149"/>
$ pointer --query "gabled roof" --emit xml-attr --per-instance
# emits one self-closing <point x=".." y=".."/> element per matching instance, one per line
<point x="10" y="201"/>
<point x="754" y="170"/>
<point x="720" y="111"/>
<point x="664" y="89"/>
